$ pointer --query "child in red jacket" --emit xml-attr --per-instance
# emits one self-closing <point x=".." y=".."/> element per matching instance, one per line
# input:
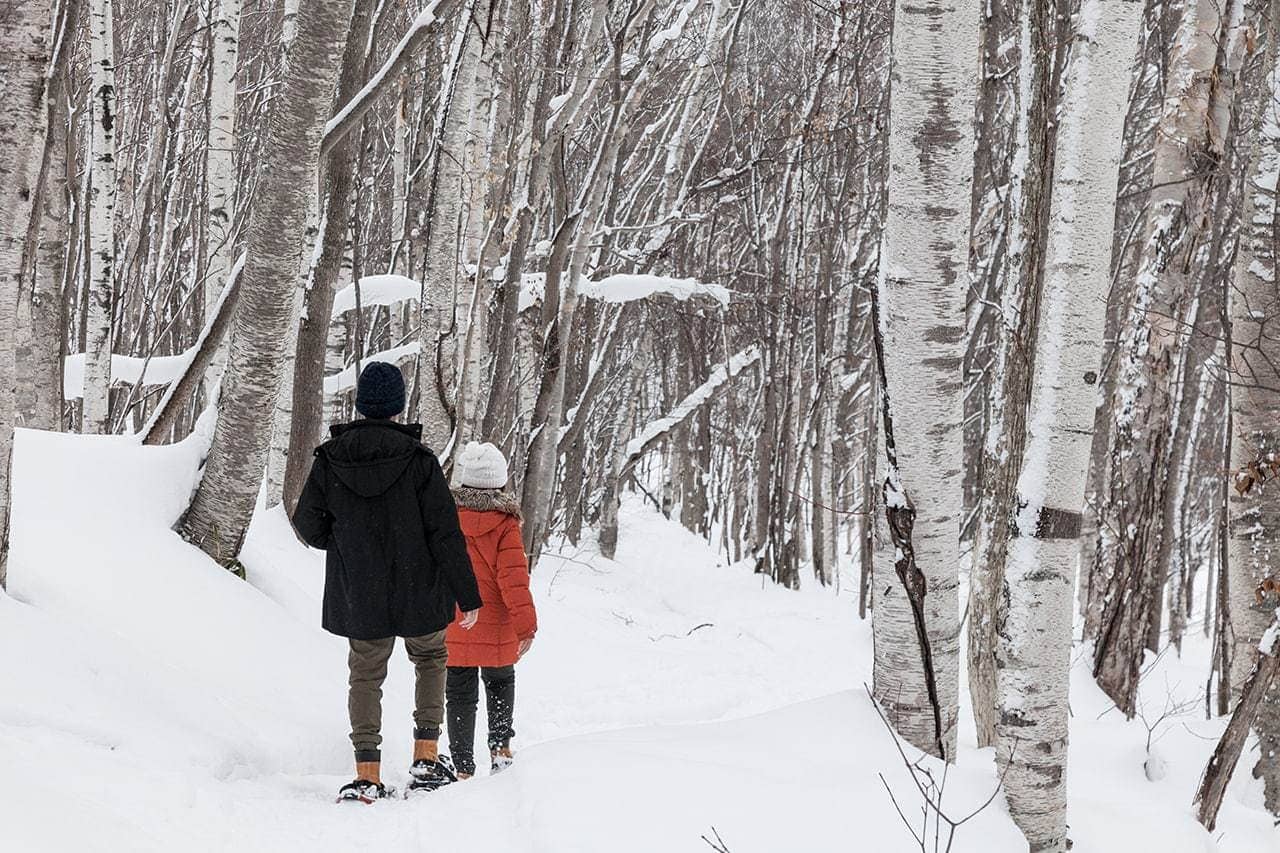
<point x="490" y="519"/>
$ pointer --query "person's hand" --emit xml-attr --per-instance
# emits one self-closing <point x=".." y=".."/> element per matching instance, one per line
<point x="524" y="647"/>
<point x="469" y="619"/>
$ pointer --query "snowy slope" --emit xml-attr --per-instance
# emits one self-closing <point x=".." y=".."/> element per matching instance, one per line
<point x="151" y="701"/>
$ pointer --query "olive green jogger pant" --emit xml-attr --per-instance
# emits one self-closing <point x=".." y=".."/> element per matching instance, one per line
<point x="368" y="666"/>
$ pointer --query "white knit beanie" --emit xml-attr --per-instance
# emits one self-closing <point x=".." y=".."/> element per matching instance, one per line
<point x="480" y="466"/>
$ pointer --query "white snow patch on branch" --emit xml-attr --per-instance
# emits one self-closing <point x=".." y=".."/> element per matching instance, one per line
<point x="376" y="290"/>
<point x="425" y="18"/>
<point x="696" y="398"/>
<point x="345" y="380"/>
<point x="626" y="287"/>
<point x="127" y="369"/>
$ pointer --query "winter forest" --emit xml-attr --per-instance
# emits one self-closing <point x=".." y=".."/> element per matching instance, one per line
<point x="890" y="393"/>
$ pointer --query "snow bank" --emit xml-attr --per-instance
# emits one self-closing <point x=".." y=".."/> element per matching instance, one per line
<point x="161" y="704"/>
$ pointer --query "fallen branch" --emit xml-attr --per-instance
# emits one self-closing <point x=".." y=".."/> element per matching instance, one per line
<point x="1213" y="784"/>
<point x="718" y="845"/>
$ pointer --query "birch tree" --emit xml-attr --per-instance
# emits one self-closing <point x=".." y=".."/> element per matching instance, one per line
<point x="40" y="306"/>
<point x="223" y="504"/>
<point x="1143" y="401"/>
<point x="916" y="620"/>
<point x="102" y="206"/>
<point x="1010" y="370"/>
<point x="25" y="48"/>
<point x="1254" y="554"/>
<point x="220" y="174"/>
<point x="1035" y="634"/>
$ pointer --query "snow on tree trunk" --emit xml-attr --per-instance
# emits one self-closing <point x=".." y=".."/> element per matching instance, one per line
<point x="1254" y="544"/>
<point x="220" y="175"/>
<point x="1033" y="655"/>
<point x="935" y="50"/>
<point x="1190" y="137"/>
<point x="223" y="504"/>
<point x="1013" y="361"/>
<point x="25" y="47"/>
<point x="102" y="204"/>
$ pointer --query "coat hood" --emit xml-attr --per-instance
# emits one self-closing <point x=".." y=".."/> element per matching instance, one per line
<point x="370" y="456"/>
<point x="482" y="510"/>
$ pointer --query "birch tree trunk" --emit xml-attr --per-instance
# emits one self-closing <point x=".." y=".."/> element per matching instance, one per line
<point x="307" y="389"/>
<point x="40" y="392"/>
<point x="102" y="204"/>
<point x="1033" y="655"/>
<point x="1189" y="146"/>
<point x="916" y="622"/>
<point x="1012" y="365"/>
<point x="223" y="504"/>
<point x="25" y="47"/>
<point x="1254" y="545"/>
<point x="220" y="174"/>
<point x="437" y="328"/>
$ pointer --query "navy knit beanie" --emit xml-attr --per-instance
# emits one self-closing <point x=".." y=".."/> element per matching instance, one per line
<point x="380" y="391"/>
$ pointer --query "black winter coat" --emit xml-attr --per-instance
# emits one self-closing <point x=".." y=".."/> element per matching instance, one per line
<point x="378" y="503"/>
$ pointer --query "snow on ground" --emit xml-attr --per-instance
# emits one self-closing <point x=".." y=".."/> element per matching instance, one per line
<point x="152" y="701"/>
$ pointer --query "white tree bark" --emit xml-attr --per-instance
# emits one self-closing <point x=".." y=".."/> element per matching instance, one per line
<point x="1189" y="137"/>
<point x="102" y="204"/>
<point x="25" y="46"/>
<point x="39" y="366"/>
<point x="924" y="255"/>
<point x="1254" y="544"/>
<point x="223" y="504"/>
<point x="442" y="273"/>
<point x="1034" y="652"/>
<point x="220" y="174"/>
<point x="484" y="171"/>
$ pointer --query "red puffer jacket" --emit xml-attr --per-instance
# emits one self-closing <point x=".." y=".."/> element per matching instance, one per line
<point x="490" y="521"/>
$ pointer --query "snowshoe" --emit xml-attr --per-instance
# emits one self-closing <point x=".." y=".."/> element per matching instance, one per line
<point x="501" y="759"/>
<point x="364" y="791"/>
<point x="426" y="776"/>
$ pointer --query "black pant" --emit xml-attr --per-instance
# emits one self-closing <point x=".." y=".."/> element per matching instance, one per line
<point x="462" y="695"/>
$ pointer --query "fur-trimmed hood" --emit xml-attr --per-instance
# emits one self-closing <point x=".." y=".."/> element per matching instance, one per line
<point x="487" y="500"/>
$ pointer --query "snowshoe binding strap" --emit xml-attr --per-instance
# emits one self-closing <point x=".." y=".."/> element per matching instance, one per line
<point x="430" y="776"/>
<point x="363" y="791"/>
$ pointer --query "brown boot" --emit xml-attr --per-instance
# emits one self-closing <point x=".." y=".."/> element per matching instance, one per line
<point x="501" y="759"/>
<point x="426" y="750"/>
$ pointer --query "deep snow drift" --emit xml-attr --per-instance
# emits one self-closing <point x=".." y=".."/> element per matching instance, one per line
<point x="151" y="701"/>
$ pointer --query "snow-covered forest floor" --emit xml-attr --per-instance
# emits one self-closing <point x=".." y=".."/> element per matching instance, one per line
<point x="154" y="701"/>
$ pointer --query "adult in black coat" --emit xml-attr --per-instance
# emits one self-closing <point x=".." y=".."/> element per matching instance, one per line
<point x="377" y="502"/>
